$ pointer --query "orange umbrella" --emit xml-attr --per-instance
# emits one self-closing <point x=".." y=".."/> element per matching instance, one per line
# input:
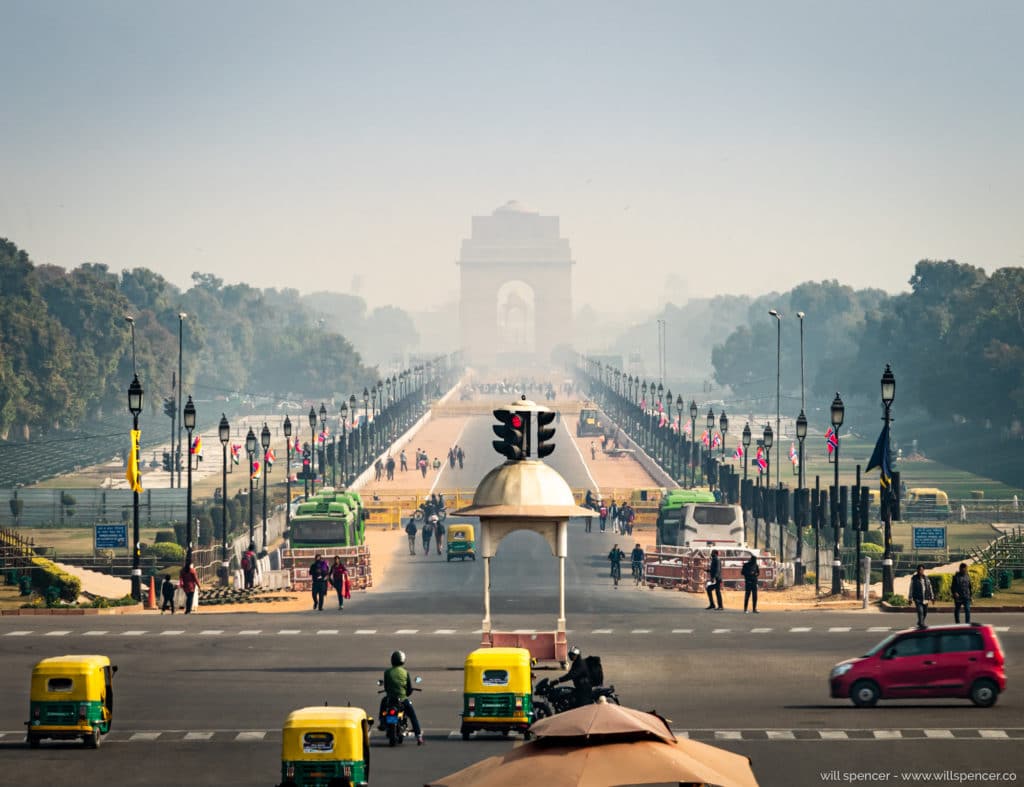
<point x="603" y="719"/>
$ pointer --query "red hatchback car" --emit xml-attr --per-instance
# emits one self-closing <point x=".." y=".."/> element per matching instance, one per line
<point x="938" y="661"/>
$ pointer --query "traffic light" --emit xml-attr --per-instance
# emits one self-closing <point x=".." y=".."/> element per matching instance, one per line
<point x="514" y="431"/>
<point x="167" y="461"/>
<point x="545" y="432"/>
<point x="169" y="408"/>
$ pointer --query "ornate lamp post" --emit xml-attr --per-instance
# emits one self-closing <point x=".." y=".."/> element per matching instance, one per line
<point x="656" y="420"/>
<point x="693" y="441"/>
<point x="680" y="441"/>
<point x="265" y="442"/>
<point x="837" y="412"/>
<point x="798" y="564"/>
<point x="746" y="448"/>
<point x="888" y="396"/>
<point x="181" y="333"/>
<point x="768" y="439"/>
<point x="707" y="458"/>
<point x="189" y="420"/>
<point x="343" y="450"/>
<point x="224" y="433"/>
<point x="323" y="440"/>
<point x="312" y="450"/>
<point x="250" y="450"/>
<point x="351" y="456"/>
<point x="287" y="472"/>
<point x="364" y="427"/>
<point x="723" y="428"/>
<point x="135" y="407"/>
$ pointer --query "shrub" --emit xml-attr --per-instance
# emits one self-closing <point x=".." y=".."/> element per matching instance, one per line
<point x="165" y="552"/>
<point x="873" y="551"/>
<point x="874" y="537"/>
<point x="809" y="577"/>
<point x="977" y="572"/>
<point x="164" y="535"/>
<point x="942" y="586"/>
<point x="895" y="600"/>
<point x="67" y="499"/>
<point x="46" y="573"/>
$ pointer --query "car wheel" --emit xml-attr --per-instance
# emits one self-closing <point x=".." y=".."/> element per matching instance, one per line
<point x="984" y="693"/>
<point x="864" y="693"/>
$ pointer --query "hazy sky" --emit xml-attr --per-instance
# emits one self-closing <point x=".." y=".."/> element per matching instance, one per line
<point x="737" y="147"/>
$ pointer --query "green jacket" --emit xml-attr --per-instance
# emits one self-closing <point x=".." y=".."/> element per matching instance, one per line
<point x="397" y="683"/>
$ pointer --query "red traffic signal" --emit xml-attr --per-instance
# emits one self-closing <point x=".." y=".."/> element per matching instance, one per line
<point x="514" y="431"/>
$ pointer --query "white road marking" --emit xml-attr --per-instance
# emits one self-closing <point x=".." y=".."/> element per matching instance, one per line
<point x="132" y="633"/>
<point x="1000" y="628"/>
<point x="96" y="633"/>
<point x="601" y="631"/>
<point x="210" y="632"/>
<point x="887" y="735"/>
<point x="253" y="735"/>
<point x="454" y="735"/>
<point x="682" y="631"/>
<point x="593" y="484"/>
<point x="640" y="631"/>
<point x="56" y="633"/>
<point x="144" y="736"/>
<point x="938" y="733"/>
<point x="327" y="631"/>
<point x="366" y="631"/>
<point x="993" y="734"/>
<point x="780" y="735"/>
<point x="799" y="629"/>
<point x="878" y="629"/>
<point x="198" y="736"/>
<point x="838" y="628"/>
<point x="728" y="735"/>
<point x="249" y="632"/>
<point x="524" y="631"/>
<point x="17" y="633"/>
<point x="721" y="631"/>
<point x="172" y="632"/>
<point x="407" y="631"/>
<point x="289" y="632"/>
<point x="445" y="631"/>
<point x="833" y="735"/>
<point x="759" y="631"/>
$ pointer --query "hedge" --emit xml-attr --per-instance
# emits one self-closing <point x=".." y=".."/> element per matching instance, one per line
<point x="942" y="584"/>
<point x="46" y="574"/>
<point x="873" y="551"/>
<point x="165" y="552"/>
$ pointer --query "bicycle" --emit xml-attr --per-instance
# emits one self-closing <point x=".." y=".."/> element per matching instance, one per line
<point x="616" y="573"/>
<point x="638" y="573"/>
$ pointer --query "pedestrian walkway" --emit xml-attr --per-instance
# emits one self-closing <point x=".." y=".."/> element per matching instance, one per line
<point x="435" y="438"/>
<point x="620" y="471"/>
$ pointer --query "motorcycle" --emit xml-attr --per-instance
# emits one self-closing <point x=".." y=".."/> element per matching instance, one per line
<point x="558" y="698"/>
<point x="392" y="718"/>
<point x="426" y="510"/>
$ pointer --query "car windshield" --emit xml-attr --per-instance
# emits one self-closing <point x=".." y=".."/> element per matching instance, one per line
<point x="881" y="645"/>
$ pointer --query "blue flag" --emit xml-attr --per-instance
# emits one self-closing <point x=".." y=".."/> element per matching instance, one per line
<point x="880" y="458"/>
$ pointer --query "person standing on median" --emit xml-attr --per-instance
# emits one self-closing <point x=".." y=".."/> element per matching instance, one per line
<point x="920" y="594"/>
<point x="751" y="571"/>
<point x="189" y="581"/>
<point x="714" y="582"/>
<point x="962" y="594"/>
<point x="167" y="592"/>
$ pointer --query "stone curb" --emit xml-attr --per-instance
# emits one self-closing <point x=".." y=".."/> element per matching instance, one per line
<point x="97" y="611"/>
<point x="886" y="607"/>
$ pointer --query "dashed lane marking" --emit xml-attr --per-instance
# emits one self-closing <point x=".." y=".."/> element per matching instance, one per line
<point x="144" y="736"/>
<point x="728" y="735"/>
<point x="407" y="631"/>
<point x="133" y="633"/>
<point x="878" y="629"/>
<point x="251" y="735"/>
<point x="938" y="733"/>
<point x="198" y="736"/>
<point x="833" y="629"/>
<point x="327" y="631"/>
<point x="682" y="631"/>
<point x="17" y="633"/>
<point x="56" y="633"/>
<point x="366" y="631"/>
<point x="887" y="735"/>
<point x="289" y="632"/>
<point x="96" y="633"/>
<point x="760" y="631"/>
<point x="721" y="631"/>
<point x="601" y="631"/>
<point x="640" y="631"/>
<point x="780" y="735"/>
<point x="799" y="629"/>
<point x="1000" y="628"/>
<point x="524" y="631"/>
<point x="249" y="632"/>
<point x="445" y="631"/>
<point x="833" y="735"/>
<point x="211" y="632"/>
<point x="993" y="733"/>
<point x="172" y="632"/>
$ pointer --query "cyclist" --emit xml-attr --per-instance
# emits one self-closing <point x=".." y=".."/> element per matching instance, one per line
<point x="637" y="560"/>
<point x="615" y="558"/>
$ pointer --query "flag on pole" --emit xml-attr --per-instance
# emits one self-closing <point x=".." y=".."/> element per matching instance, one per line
<point x="738" y="454"/>
<point x="761" y="461"/>
<point x="132" y="473"/>
<point x="687" y="427"/>
<point x="659" y="406"/>
<point x="716" y="440"/>
<point x="236" y="451"/>
<point x="880" y="459"/>
<point x="831" y="440"/>
<point x="269" y="458"/>
<point x="298" y="446"/>
<point x="255" y="469"/>
<point x="643" y="403"/>
<point x="197" y="447"/>
<point x="663" y="420"/>
<point x="705" y="438"/>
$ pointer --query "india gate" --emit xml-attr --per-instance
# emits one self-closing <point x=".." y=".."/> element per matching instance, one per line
<point x="516" y="288"/>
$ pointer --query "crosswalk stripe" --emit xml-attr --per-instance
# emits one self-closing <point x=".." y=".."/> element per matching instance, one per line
<point x="144" y="736"/>
<point x="132" y="633"/>
<point x="95" y="633"/>
<point x="887" y="735"/>
<point x="198" y="736"/>
<point x="169" y="632"/>
<point x="833" y="735"/>
<point x="251" y="735"/>
<point x="56" y="633"/>
<point x="210" y="632"/>
<point x="780" y="735"/>
<point x="838" y="628"/>
<point x="327" y="631"/>
<point x="993" y="733"/>
<point x="938" y="733"/>
<point x="249" y="632"/>
<point x="407" y="631"/>
<point x="17" y="633"/>
<point x="444" y="631"/>
<point x="289" y="632"/>
<point x="728" y="735"/>
<point x="800" y="629"/>
<point x="366" y="631"/>
<point x="760" y="631"/>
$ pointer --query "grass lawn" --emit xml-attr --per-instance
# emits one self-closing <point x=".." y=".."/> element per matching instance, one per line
<point x="959" y="536"/>
<point x="78" y="540"/>
<point x="1003" y="598"/>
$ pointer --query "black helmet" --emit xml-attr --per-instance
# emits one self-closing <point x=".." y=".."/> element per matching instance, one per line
<point x="574" y="653"/>
<point x="397" y="659"/>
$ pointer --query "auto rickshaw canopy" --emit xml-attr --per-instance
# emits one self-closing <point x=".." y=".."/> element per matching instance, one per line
<point x="461" y="533"/>
<point x="498" y="670"/>
<point x="86" y="677"/>
<point x="325" y="732"/>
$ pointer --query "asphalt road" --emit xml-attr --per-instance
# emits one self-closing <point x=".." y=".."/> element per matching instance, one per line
<point x="200" y="699"/>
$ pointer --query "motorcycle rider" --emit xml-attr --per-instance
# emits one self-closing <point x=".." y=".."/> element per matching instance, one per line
<point x="398" y="688"/>
<point x="580" y="677"/>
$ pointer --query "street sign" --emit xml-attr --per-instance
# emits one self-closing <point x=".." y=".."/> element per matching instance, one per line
<point x="110" y="536"/>
<point x="929" y="538"/>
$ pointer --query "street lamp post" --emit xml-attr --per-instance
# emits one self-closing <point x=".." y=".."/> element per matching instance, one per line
<point x="352" y="406"/>
<point x="224" y="433"/>
<point x="746" y="448"/>
<point x="767" y="438"/>
<point x="265" y="442"/>
<point x="801" y="434"/>
<point x="706" y="464"/>
<point x="312" y="451"/>
<point x="723" y="428"/>
<point x="800" y="316"/>
<point x="363" y="428"/>
<point x="344" y="444"/>
<point x="181" y="333"/>
<point x="287" y="473"/>
<point x="693" y="441"/>
<point x="888" y="396"/>
<point x="680" y="439"/>
<point x="323" y="438"/>
<point x="837" y="412"/>
<point x="189" y="420"/>
<point x="778" y="386"/>
<point x="250" y="450"/>
<point x="135" y="407"/>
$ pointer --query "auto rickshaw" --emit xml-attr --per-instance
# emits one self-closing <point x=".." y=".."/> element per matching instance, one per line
<point x="461" y="543"/>
<point x="71" y="697"/>
<point x="324" y="746"/>
<point x="497" y="691"/>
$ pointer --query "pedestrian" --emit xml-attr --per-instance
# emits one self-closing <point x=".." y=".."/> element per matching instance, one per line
<point x="751" y="571"/>
<point x="630" y="519"/>
<point x="423" y="465"/>
<point x="403" y="461"/>
<point x="962" y="594"/>
<point x="189" y="582"/>
<point x="593" y="451"/>
<point x="451" y="458"/>
<point x="339" y="579"/>
<point x="714" y="583"/>
<point x="378" y="469"/>
<point x="602" y="516"/>
<point x="428" y="531"/>
<point x="921" y="593"/>
<point x="390" y="467"/>
<point x="320" y="573"/>
<point x="963" y="513"/>
<point x="461" y="456"/>
<point x="615" y="558"/>
<point x="613" y="514"/>
<point x="410" y="530"/>
<point x="438" y="534"/>
<point x="437" y="464"/>
<point x="249" y="565"/>
<point x="167" y="593"/>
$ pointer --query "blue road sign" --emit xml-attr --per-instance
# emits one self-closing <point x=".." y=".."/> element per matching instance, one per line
<point x="111" y="536"/>
<point x="929" y="538"/>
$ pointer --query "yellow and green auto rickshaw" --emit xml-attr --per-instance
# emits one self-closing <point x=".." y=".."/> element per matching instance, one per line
<point x="71" y="697"/>
<point x="497" y="691"/>
<point x="324" y="746"/>
<point x="461" y="543"/>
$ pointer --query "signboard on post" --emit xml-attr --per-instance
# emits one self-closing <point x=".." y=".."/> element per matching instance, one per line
<point x="110" y="537"/>
<point x="933" y="538"/>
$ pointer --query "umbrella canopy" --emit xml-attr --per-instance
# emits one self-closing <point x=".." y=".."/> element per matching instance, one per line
<point x="604" y="719"/>
<point x="607" y="765"/>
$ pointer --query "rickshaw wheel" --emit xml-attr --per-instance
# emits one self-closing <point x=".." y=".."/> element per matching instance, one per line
<point x="527" y="735"/>
<point x="465" y="735"/>
<point x="473" y="557"/>
<point x="33" y="741"/>
<point x="93" y="739"/>
<point x="504" y="733"/>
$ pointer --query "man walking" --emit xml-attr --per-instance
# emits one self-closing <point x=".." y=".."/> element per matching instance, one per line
<point x="751" y="571"/>
<point x="320" y="573"/>
<point x="962" y="594"/>
<point x="403" y="461"/>
<point x="410" y="530"/>
<point x="921" y="593"/>
<point x="714" y="582"/>
<point x="460" y="455"/>
<point x="390" y="467"/>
